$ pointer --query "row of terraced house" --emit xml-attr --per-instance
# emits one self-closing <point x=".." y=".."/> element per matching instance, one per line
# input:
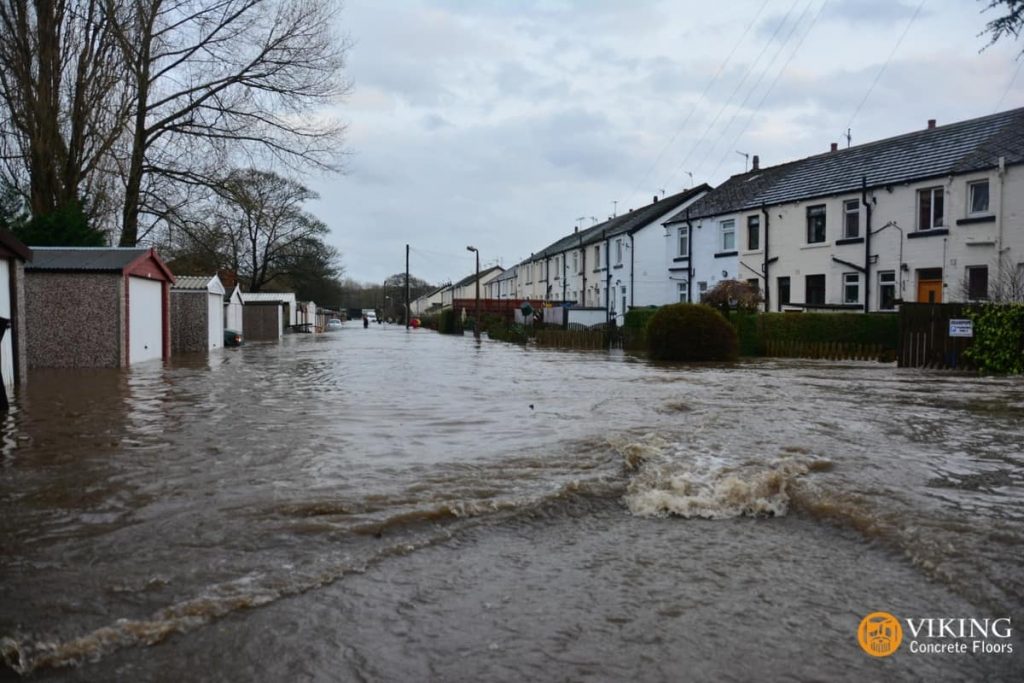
<point x="930" y="216"/>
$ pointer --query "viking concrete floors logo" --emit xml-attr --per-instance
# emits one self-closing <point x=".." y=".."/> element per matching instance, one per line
<point x="880" y="634"/>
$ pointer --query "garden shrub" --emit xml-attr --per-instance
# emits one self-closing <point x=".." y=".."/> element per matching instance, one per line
<point x="691" y="332"/>
<point x="449" y="322"/>
<point x="998" y="345"/>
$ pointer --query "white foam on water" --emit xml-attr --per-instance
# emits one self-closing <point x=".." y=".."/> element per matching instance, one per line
<point x="694" y="481"/>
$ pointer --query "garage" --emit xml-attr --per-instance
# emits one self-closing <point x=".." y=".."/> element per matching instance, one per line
<point x="197" y="314"/>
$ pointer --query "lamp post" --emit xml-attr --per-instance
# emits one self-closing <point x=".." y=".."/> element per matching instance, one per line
<point x="476" y="316"/>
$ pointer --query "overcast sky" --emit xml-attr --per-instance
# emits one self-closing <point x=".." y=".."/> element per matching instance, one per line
<point x="502" y="123"/>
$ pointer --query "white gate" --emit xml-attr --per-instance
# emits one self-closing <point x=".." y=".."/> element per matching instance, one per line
<point x="145" y="320"/>
<point x="7" y="348"/>
<point x="215" y="320"/>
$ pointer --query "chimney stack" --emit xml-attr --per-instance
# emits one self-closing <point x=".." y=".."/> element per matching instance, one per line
<point x="576" y="229"/>
<point x="655" y="201"/>
<point x="931" y="123"/>
<point x="835" y="147"/>
<point x="756" y="164"/>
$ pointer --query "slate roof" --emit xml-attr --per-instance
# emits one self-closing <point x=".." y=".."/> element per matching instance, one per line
<point x="963" y="147"/>
<point x="472" y="276"/>
<point x="626" y="223"/>
<point x="97" y="259"/>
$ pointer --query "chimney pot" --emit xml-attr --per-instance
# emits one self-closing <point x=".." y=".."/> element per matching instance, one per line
<point x="931" y="123"/>
<point x="835" y="147"/>
<point x="757" y="163"/>
<point x="655" y="199"/>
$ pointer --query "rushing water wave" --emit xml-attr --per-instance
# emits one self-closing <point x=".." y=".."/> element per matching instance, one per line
<point x="145" y="506"/>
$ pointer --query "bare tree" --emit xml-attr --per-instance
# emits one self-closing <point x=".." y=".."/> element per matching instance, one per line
<point x="218" y="81"/>
<point x="261" y="225"/>
<point x="1004" y="285"/>
<point x="65" y="100"/>
<point x="1009" y="24"/>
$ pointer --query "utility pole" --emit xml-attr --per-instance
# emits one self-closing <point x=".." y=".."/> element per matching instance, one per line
<point x="407" y="309"/>
<point x="476" y="319"/>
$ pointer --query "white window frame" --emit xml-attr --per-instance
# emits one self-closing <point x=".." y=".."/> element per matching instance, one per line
<point x="683" y="240"/>
<point x="824" y="217"/>
<point x="851" y="280"/>
<point x="970" y="197"/>
<point x="754" y="222"/>
<point x="597" y="257"/>
<point x="727" y="229"/>
<point x="618" y="252"/>
<point x="887" y="278"/>
<point x="576" y="262"/>
<point x="932" y="192"/>
<point x="683" y="291"/>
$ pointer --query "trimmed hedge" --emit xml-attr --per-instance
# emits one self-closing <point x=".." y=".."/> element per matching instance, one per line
<point x="756" y="329"/>
<point x="691" y="332"/>
<point x="998" y="345"/>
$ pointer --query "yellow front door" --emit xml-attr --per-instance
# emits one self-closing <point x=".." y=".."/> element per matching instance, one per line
<point x="929" y="291"/>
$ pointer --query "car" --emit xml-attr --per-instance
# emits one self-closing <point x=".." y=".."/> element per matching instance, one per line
<point x="232" y="338"/>
<point x="332" y="325"/>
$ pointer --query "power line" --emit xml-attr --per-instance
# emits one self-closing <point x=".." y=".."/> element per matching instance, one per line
<point x="739" y="85"/>
<point x="782" y="48"/>
<point x="703" y="95"/>
<point x="886" y="64"/>
<point x="771" y="87"/>
<point x="1020" y="63"/>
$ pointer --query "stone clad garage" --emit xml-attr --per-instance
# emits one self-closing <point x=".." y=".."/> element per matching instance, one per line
<point x="197" y="314"/>
<point x="13" y="359"/>
<point x="97" y="307"/>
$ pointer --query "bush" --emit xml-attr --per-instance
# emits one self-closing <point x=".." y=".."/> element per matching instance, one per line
<point x="734" y="295"/>
<point x="449" y="323"/>
<point x="998" y="344"/>
<point x="691" y="332"/>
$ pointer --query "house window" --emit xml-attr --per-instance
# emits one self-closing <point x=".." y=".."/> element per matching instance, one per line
<point x="623" y="292"/>
<point x="683" y="288"/>
<point x="753" y="232"/>
<point x="977" y="282"/>
<point x="597" y="257"/>
<point x="887" y="290"/>
<point x="783" y="287"/>
<point x="851" y="288"/>
<point x="815" y="224"/>
<point x="851" y="218"/>
<point x="728" y="235"/>
<point x="684" y="240"/>
<point x="929" y="208"/>
<point x="558" y="260"/>
<point x="755" y="284"/>
<point x="576" y="262"/>
<point x="618" y="252"/>
<point x="702" y="287"/>
<point x="814" y="289"/>
<point x="978" y="197"/>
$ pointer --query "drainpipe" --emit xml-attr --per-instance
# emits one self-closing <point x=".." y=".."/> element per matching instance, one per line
<point x="632" y="268"/>
<point x="764" y="268"/>
<point x="565" y="279"/>
<point x="867" y="243"/>
<point x="1001" y="172"/>
<point x="583" y="262"/>
<point x="689" y="257"/>
<point x="607" y="277"/>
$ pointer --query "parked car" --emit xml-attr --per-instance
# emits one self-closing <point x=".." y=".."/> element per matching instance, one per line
<point x="232" y="338"/>
<point x="332" y="325"/>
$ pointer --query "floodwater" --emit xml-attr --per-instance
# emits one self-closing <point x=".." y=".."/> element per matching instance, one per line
<point x="392" y="505"/>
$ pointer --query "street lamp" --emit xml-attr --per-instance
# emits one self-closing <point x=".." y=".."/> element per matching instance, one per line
<point x="476" y="317"/>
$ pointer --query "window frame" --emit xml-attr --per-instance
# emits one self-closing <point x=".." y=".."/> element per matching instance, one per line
<point x="683" y="236"/>
<point x="754" y="228"/>
<point x="972" y="294"/>
<point x="932" y="193"/>
<point x="970" y="197"/>
<point x="851" y="279"/>
<point x="788" y="289"/>
<point x="727" y="227"/>
<point x="597" y="257"/>
<point x="815" y="212"/>
<point x="683" y="291"/>
<point x="883" y="283"/>
<point x="847" y="215"/>
<point x="618" y="251"/>
<point x="823" y="289"/>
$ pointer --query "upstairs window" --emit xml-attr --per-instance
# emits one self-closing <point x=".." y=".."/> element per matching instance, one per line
<point x="929" y="208"/>
<point x="728" y="235"/>
<point x="753" y="233"/>
<point x="597" y="257"/>
<point x="851" y="218"/>
<point x="558" y="269"/>
<point x="977" y="197"/>
<point x="576" y="262"/>
<point x="684" y="240"/>
<point x="618" y="252"/>
<point x="815" y="224"/>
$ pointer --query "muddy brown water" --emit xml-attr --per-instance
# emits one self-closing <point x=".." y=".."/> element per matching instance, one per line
<point x="386" y="505"/>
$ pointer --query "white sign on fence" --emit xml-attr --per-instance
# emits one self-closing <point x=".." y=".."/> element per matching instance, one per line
<point x="961" y="328"/>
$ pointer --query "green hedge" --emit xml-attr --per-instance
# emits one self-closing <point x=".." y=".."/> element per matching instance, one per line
<point x="998" y="344"/>
<point x="757" y="329"/>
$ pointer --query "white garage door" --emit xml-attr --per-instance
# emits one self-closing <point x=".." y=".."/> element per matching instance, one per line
<point x="145" y="320"/>
<point x="215" y="304"/>
<point x="7" y="348"/>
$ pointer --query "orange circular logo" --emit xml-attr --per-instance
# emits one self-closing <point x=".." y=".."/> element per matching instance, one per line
<point x="879" y="634"/>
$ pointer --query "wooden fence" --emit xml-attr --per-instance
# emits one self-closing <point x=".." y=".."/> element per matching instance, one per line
<point x="826" y="350"/>
<point x="572" y="339"/>
<point x="924" y="340"/>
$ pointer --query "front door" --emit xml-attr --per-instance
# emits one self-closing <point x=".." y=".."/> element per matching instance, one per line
<point x="929" y="291"/>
